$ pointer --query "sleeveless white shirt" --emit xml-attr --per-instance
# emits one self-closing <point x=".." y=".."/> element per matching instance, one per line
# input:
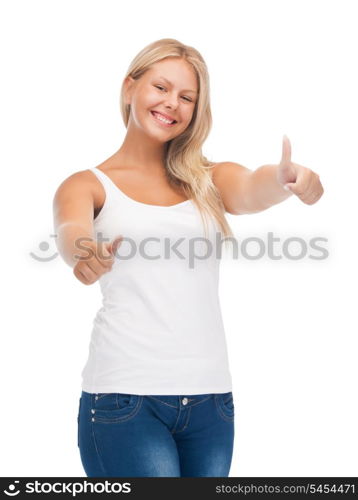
<point x="159" y="330"/>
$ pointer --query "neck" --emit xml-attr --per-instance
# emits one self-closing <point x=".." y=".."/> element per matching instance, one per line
<point x="141" y="152"/>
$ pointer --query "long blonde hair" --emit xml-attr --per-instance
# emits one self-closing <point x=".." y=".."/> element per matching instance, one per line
<point x="185" y="164"/>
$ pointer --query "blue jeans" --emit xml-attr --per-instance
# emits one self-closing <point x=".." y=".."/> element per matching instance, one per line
<point x="129" y="435"/>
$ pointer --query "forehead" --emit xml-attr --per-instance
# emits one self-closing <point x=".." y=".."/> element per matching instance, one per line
<point x="178" y="72"/>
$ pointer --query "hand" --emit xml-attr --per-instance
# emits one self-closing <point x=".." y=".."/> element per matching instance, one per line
<point x="300" y="180"/>
<point x="100" y="260"/>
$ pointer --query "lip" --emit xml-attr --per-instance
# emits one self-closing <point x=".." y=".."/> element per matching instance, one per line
<point x="164" y="115"/>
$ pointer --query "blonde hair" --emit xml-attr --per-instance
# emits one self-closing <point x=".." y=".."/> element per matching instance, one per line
<point x="185" y="164"/>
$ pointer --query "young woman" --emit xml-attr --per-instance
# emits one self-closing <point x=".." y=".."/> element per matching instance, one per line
<point x="157" y="391"/>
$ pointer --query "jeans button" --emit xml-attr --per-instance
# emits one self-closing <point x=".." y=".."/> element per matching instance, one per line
<point x="93" y="411"/>
<point x="184" y="401"/>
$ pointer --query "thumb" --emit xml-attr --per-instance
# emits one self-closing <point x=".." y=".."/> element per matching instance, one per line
<point x="113" y="245"/>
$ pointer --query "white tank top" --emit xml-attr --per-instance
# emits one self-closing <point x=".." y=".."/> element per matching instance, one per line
<point x="159" y="330"/>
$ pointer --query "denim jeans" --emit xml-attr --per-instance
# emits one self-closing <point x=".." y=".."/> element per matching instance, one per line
<point x="130" y="435"/>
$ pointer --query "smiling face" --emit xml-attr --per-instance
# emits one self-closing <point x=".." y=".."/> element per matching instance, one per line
<point x="167" y="91"/>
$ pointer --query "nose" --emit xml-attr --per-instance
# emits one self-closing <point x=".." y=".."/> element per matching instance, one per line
<point x="172" y="102"/>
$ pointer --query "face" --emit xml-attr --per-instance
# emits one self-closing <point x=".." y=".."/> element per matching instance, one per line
<point x="168" y="87"/>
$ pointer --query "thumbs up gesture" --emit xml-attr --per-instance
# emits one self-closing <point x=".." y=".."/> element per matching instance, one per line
<point x="297" y="179"/>
<point x="99" y="261"/>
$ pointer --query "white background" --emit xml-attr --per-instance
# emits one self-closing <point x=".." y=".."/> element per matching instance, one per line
<point x="276" y="67"/>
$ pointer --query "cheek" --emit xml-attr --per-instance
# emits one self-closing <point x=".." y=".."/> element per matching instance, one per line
<point x="187" y="116"/>
<point x="150" y="100"/>
<point x="141" y="108"/>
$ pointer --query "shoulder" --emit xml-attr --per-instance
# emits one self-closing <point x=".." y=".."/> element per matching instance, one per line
<point x="78" y="179"/>
<point x="82" y="183"/>
<point x="231" y="180"/>
<point x="224" y="167"/>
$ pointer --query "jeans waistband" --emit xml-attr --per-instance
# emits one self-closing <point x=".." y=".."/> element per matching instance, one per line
<point x="174" y="401"/>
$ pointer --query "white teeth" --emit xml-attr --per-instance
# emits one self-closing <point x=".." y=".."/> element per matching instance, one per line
<point x="159" y="117"/>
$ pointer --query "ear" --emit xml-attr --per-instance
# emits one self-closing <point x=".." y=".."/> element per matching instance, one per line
<point x="128" y="87"/>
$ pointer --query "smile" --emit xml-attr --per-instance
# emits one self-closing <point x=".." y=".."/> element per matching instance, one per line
<point x="163" y="121"/>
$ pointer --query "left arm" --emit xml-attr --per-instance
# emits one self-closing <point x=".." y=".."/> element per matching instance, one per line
<point x="244" y="191"/>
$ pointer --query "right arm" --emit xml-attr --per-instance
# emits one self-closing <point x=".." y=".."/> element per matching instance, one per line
<point x="73" y="210"/>
<point x="73" y="217"/>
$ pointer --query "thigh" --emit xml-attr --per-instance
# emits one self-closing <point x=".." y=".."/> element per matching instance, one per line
<point x="118" y="438"/>
<point x="205" y="445"/>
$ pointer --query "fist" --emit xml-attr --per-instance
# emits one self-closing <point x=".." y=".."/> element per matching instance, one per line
<point x="300" y="180"/>
<point x="100" y="260"/>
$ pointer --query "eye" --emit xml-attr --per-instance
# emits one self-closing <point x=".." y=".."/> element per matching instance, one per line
<point x="186" y="98"/>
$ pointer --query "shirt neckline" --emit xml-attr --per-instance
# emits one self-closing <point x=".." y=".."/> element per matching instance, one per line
<point x="140" y="202"/>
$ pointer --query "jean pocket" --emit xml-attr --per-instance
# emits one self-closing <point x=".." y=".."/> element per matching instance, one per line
<point x="225" y="405"/>
<point x="100" y="395"/>
<point x="115" y="407"/>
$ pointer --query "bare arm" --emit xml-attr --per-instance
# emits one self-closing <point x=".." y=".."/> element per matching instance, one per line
<point x="264" y="190"/>
<point x="244" y="191"/>
<point x="73" y="217"/>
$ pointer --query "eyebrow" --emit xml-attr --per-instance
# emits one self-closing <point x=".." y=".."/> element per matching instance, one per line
<point x="169" y="83"/>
